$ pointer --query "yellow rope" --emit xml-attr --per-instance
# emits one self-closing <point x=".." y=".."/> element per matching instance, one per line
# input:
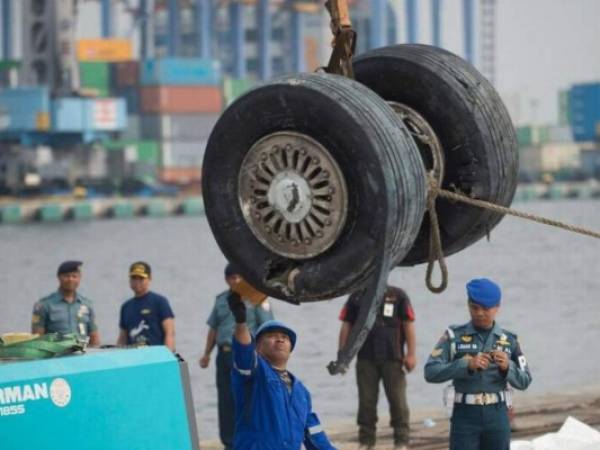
<point x="435" y="245"/>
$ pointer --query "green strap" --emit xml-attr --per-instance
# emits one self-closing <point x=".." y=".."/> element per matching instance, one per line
<point x="47" y="346"/>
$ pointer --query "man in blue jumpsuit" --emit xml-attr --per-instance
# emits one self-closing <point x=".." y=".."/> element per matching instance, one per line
<point x="481" y="359"/>
<point x="273" y="408"/>
<point x="221" y="325"/>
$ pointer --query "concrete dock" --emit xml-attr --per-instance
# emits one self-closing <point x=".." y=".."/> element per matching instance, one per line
<point x="535" y="416"/>
<point x="50" y="209"/>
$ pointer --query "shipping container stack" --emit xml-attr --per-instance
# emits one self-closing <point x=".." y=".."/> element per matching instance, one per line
<point x="96" y="111"/>
<point x="584" y="111"/>
<point x="180" y="101"/>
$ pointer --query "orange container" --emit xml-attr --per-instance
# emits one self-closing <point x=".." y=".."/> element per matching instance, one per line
<point x="181" y="99"/>
<point x="108" y="50"/>
<point x="180" y="175"/>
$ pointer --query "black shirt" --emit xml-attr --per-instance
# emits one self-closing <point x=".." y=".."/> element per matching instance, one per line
<point x="386" y="339"/>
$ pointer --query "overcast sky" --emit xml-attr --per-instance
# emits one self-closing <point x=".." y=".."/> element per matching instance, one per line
<point x="542" y="46"/>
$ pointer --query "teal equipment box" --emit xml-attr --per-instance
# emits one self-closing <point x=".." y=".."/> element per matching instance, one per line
<point x="126" y="399"/>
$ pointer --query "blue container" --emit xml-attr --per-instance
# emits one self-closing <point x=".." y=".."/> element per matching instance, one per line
<point x="132" y="98"/>
<point x="79" y="115"/>
<point x="67" y="115"/>
<point x="110" y="400"/>
<point x="25" y="108"/>
<point x="584" y="110"/>
<point x="181" y="71"/>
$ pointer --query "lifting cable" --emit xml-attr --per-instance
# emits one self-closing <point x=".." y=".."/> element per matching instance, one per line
<point x="436" y="253"/>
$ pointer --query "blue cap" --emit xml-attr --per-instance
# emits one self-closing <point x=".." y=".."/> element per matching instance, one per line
<point x="484" y="292"/>
<point x="273" y="325"/>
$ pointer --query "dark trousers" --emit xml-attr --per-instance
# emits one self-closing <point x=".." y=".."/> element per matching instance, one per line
<point x="226" y="405"/>
<point x="368" y="375"/>
<point x="476" y="427"/>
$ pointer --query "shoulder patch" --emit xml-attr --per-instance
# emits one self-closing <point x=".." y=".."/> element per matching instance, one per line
<point x="436" y="352"/>
<point x="509" y="333"/>
<point x="443" y="338"/>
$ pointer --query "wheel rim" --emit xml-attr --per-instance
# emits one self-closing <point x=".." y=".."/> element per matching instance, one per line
<point x="425" y="138"/>
<point x="292" y="192"/>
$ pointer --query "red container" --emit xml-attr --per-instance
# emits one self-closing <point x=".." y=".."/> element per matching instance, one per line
<point x="126" y="74"/>
<point x="181" y="99"/>
<point x="180" y="175"/>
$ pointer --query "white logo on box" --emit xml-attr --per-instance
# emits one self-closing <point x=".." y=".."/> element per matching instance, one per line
<point x="60" y="392"/>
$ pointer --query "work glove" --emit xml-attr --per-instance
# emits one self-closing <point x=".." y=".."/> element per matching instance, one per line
<point x="237" y="307"/>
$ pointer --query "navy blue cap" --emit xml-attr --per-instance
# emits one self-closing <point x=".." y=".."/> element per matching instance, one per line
<point x="68" y="267"/>
<point x="231" y="269"/>
<point x="484" y="292"/>
<point x="276" y="325"/>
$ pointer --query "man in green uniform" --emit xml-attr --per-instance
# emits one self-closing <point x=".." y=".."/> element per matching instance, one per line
<point x="221" y="325"/>
<point x="66" y="310"/>
<point x="481" y="359"/>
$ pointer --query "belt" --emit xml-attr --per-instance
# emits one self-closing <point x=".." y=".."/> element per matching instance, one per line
<point x="482" y="398"/>
<point x="225" y="348"/>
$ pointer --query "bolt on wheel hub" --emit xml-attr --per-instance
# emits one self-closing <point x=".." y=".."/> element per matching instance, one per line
<point x="293" y="195"/>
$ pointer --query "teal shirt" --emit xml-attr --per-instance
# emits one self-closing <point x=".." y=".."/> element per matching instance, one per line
<point x="450" y="358"/>
<point x="221" y="318"/>
<point x="56" y="315"/>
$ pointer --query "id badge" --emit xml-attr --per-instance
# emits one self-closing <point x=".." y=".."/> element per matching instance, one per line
<point x="388" y="310"/>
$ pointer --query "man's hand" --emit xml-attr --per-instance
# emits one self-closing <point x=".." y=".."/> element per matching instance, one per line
<point x="237" y="307"/>
<point x="501" y="359"/>
<point x="480" y="362"/>
<point x="204" y="361"/>
<point x="410" y="362"/>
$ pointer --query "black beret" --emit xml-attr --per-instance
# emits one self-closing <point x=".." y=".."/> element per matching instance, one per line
<point x="68" y="267"/>
<point x="231" y="269"/>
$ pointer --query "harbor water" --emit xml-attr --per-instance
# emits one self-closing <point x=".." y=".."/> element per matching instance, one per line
<point x="550" y="280"/>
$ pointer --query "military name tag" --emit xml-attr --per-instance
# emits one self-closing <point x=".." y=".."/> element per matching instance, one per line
<point x="388" y="310"/>
<point x="466" y="347"/>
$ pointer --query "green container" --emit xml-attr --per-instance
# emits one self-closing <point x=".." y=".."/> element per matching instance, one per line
<point x="524" y="136"/>
<point x="146" y="150"/>
<point x="193" y="206"/>
<point x="95" y="76"/>
<point x="10" y="214"/>
<point x="156" y="208"/>
<point x="82" y="211"/>
<point x="564" y="112"/>
<point x="50" y="212"/>
<point x="233" y="88"/>
<point x="122" y="210"/>
<point x="8" y="64"/>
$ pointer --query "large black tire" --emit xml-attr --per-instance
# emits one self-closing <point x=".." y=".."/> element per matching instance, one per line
<point x="471" y="123"/>
<point x="376" y="154"/>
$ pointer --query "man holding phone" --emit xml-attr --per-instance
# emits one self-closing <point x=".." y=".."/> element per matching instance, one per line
<point x="481" y="359"/>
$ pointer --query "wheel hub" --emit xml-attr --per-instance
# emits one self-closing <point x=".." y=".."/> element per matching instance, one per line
<point x="425" y="138"/>
<point x="293" y="195"/>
